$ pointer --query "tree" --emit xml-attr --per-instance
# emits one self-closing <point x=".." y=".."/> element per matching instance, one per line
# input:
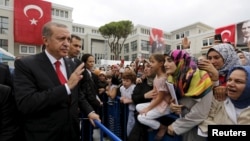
<point x="116" y="33"/>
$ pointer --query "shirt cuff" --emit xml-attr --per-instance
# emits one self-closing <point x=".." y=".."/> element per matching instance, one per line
<point x="67" y="88"/>
<point x="216" y="83"/>
<point x="91" y="112"/>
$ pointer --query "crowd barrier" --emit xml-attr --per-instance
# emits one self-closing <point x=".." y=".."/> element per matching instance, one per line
<point x="114" y="123"/>
<point x="105" y="130"/>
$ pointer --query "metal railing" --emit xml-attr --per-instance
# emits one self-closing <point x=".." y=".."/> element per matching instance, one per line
<point x="105" y="130"/>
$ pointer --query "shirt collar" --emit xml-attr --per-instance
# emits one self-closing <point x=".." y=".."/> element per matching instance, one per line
<point x="53" y="59"/>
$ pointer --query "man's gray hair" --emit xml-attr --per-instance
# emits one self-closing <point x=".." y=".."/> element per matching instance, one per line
<point x="46" y="30"/>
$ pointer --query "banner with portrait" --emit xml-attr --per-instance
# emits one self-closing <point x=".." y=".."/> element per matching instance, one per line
<point x="243" y="33"/>
<point x="156" y="41"/>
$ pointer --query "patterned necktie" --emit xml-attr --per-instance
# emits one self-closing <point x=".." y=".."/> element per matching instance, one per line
<point x="59" y="73"/>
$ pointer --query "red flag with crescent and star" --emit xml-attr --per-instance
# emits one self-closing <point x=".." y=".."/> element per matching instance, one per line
<point x="29" y="18"/>
<point x="227" y="33"/>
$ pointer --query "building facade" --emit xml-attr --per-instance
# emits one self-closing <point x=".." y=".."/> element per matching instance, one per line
<point x="136" y="45"/>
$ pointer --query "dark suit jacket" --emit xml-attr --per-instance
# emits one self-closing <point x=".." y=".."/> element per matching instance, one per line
<point x="49" y="113"/>
<point x="77" y="61"/>
<point x="8" y="123"/>
<point x="5" y="77"/>
<point x="89" y="87"/>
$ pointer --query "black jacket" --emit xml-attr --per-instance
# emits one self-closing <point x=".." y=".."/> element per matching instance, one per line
<point x="9" y="127"/>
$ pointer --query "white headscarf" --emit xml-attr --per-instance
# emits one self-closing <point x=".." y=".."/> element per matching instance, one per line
<point x="229" y="56"/>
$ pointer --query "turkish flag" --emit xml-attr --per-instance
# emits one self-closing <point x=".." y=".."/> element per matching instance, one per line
<point x="29" y="18"/>
<point x="227" y="33"/>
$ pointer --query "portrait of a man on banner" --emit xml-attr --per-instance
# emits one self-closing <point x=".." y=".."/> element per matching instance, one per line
<point x="156" y="41"/>
<point x="243" y="33"/>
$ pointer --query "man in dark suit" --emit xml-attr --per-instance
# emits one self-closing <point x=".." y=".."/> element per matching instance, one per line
<point x="9" y="127"/>
<point x="50" y="107"/>
<point x="5" y="76"/>
<point x="75" y="48"/>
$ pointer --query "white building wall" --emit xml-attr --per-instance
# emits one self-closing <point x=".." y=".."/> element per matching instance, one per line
<point x="94" y="43"/>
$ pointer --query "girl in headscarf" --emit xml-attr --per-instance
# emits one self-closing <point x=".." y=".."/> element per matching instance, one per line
<point x="236" y="108"/>
<point x="193" y="91"/>
<point x="220" y="59"/>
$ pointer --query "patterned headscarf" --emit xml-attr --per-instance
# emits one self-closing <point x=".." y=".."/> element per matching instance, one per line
<point x="244" y="100"/>
<point x="188" y="80"/>
<point x="229" y="56"/>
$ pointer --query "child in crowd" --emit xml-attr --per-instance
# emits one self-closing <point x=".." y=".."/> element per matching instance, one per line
<point x="111" y="89"/>
<point x="158" y="106"/>
<point x="127" y="88"/>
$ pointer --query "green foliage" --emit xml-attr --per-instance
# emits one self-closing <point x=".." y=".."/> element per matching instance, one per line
<point x="116" y="33"/>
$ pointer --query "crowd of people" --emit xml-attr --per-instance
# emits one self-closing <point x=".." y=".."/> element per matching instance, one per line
<point x="43" y="98"/>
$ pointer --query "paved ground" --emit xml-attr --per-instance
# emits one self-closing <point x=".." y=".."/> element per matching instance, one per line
<point x="96" y="136"/>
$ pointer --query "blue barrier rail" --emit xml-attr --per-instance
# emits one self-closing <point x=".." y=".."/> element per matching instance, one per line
<point x="107" y="131"/>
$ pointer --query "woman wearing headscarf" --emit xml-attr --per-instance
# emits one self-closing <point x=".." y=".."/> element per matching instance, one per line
<point x="193" y="89"/>
<point x="244" y="57"/>
<point x="220" y="59"/>
<point x="141" y="94"/>
<point x="236" y="108"/>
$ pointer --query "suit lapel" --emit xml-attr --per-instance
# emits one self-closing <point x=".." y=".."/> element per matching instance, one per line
<point x="69" y="66"/>
<point x="48" y="68"/>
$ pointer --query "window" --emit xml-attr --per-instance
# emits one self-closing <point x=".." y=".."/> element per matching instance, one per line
<point x="168" y="49"/>
<point x="78" y="29"/>
<point x="204" y="42"/>
<point x="186" y="33"/>
<point x="179" y="47"/>
<point x="95" y="31"/>
<point x="126" y="58"/>
<point x="4" y="21"/>
<point x="126" y="48"/>
<point x="144" y="45"/>
<point x="182" y="35"/>
<point x="177" y="36"/>
<point x="145" y="31"/>
<point x="207" y="41"/>
<point x="112" y="57"/>
<point x="66" y="14"/>
<point x="211" y="41"/>
<point x="167" y="36"/>
<point x="57" y="12"/>
<point x="5" y="2"/>
<point x="144" y="56"/>
<point x="98" y="57"/>
<point x="134" y="45"/>
<point x="25" y="49"/>
<point x="53" y="11"/>
<point x="134" y="56"/>
<point x="60" y="13"/>
<point x="4" y="44"/>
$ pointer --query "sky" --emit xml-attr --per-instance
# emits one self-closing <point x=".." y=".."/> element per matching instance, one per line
<point x="167" y="15"/>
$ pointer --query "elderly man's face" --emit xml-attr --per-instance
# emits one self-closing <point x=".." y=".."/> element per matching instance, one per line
<point x="58" y="43"/>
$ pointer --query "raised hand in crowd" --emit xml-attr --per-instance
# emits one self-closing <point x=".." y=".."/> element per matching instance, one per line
<point x="206" y="65"/>
<point x="185" y="43"/>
